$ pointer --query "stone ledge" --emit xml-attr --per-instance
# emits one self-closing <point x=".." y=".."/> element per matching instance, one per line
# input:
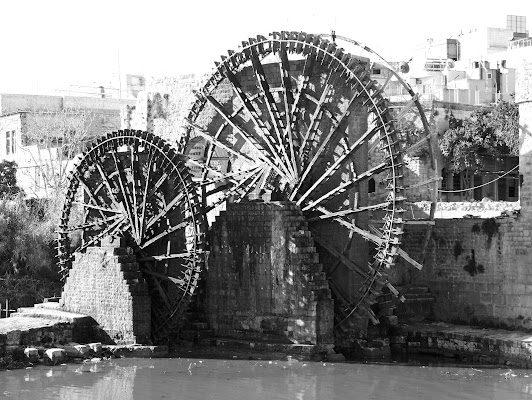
<point x="285" y="348"/>
<point x="492" y="346"/>
<point x="50" y="313"/>
<point x="137" y="351"/>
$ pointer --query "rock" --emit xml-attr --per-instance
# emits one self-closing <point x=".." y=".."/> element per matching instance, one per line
<point x="95" y="348"/>
<point x="31" y="354"/>
<point x="335" y="358"/>
<point x="54" y="356"/>
<point x="77" y="351"/>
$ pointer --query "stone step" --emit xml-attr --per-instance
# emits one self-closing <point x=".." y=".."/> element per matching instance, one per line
<point x="46" y="311"/>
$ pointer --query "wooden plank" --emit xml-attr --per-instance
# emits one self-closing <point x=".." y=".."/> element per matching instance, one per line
<point x="314" y="121"/>
<point x="252" y="111"/>
<point x="346" y="185"/>
<point x="407" y="107"/>
<point x="330" y="171"/>
<point x="349" y="212"/>
<point x="271" y="106"/>
<point x="409" y="259"/>
<point x="346" y="261"/>
<point x="407" y="222"/>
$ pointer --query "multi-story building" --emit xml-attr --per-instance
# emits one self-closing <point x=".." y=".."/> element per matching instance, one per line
<point x="458" y="75"/>
<point x="43" y="133"/>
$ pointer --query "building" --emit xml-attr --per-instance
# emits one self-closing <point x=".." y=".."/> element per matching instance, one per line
<point x="43" y="133"/>
<point x="456" y="76"/>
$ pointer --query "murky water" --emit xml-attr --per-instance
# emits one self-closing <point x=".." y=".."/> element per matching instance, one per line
<point x="192" y="379"/>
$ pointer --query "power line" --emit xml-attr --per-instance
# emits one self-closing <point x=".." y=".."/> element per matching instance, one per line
<point x="479" y="186"/>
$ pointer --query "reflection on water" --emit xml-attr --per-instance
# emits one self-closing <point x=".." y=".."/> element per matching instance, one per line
<point x="236" y="379"/>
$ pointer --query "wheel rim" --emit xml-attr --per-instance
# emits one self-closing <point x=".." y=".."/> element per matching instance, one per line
<point x="133" y="184"/>
<point x="288" y="130"/>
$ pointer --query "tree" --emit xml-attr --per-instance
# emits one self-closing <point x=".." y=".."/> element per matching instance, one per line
<point x="51" y="139"/>
<point x="487" y="133"/>
<point x="8" y="179"/>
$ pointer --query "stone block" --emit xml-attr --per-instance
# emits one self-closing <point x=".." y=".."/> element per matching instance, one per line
<point x="31" y="354"/>
<point x="95" y="348"/>
<point x="13" y="338"/>
<point x="77" y="351"/>
<point x="54" y="356"/>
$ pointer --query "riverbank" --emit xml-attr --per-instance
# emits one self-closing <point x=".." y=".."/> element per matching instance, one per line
<point x="50" y="329"/>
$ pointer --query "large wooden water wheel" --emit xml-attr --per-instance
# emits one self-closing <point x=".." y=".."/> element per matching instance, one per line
<point x="293" y="115"/>
<point x="133" y="184"/>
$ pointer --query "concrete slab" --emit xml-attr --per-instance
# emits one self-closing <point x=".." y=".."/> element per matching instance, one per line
<point x="24" y="323"/>
<point x="50" y="313"/>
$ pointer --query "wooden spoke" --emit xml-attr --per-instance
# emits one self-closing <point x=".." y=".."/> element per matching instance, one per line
<point x="93" y="223"/>
<point x="307" y="123"/>
<point x="336" y="165"/>
<point x="97" y="207"/>
<point x="125" y="193"/>
<point x="136" y="186"/>
<point x="344" y="213"/>
<point x="346" y="185"/>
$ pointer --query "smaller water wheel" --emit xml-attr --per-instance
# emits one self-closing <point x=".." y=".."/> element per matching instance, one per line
<point x="133" y="184"/>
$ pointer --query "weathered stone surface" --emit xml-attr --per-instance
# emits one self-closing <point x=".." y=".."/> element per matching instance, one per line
<point x="77" y="351"/>
<point x="106" y="283"/>
<point x="95" y="348"/>
<point x="54" y="356"/>
<point x="31" y="354"/>
<point x="264" y="280"/>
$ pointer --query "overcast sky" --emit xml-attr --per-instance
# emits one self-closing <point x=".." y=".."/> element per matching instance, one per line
<point x="51" y="44"/>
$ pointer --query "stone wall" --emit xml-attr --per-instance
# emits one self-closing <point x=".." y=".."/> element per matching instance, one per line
<point x="264" y="279"/>
<point x="106" y="283"/>
<point x="477" y="269"/>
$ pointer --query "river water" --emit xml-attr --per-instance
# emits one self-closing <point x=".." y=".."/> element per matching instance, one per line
<point x="190" y="379"/>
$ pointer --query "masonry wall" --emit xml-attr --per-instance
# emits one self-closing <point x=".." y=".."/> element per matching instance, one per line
<point x="106" y="284"/>
<point x="479" y="269"/>
<point x="476" y="268"/>
<point x="264" y="279"/>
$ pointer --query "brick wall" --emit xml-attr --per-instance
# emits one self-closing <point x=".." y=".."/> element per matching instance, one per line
<point x="264" y="279"/>
<point x="106" y="283"/>
<point x="476" y="268"/>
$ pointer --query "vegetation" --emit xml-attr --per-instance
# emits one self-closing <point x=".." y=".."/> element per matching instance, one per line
<point x="28" y="271"/>
<point x="486" y="133"/>
<point x="8" y="179"/>
<point x="51" y="140"/>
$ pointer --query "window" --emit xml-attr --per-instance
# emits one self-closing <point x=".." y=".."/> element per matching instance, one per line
<point x="371" y="186"/>
<point x="457" y="182"/>
<point x="10" y="142"/>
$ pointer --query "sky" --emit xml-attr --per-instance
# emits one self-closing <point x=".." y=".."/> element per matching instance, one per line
<point x="52" y="45"/>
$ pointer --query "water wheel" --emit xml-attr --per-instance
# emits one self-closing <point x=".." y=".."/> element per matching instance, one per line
<point x="294" y="116"/>
<point x="133" y="184"/>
